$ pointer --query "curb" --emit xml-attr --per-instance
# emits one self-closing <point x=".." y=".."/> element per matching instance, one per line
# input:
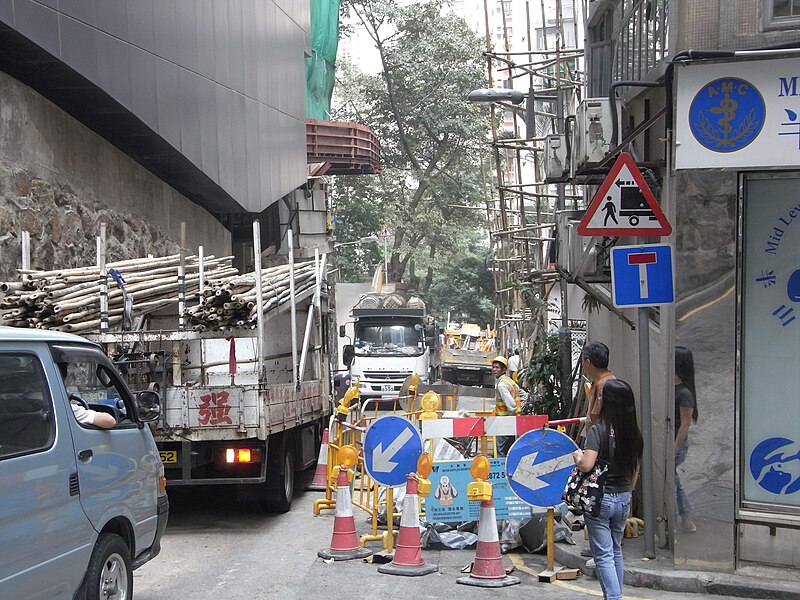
<point x="666" y="577"/>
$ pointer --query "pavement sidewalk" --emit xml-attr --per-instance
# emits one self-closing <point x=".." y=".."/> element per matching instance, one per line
<point x="660" y="573"/>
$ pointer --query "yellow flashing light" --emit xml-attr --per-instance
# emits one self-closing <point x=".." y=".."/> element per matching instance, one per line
<point x="347" y="455"/>
<point x="424" y="464"/>
<point x="412" y="386"/>
<point x="480" y="468"/>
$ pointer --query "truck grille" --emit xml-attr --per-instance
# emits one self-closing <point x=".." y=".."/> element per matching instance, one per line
<point x="385" y="375"/>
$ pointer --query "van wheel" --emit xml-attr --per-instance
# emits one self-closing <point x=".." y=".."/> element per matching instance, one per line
<point x="280" y="477"/>
<point x="109" y="575"/>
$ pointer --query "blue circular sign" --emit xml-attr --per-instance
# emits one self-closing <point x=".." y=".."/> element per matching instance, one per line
<point x="727" y="114"/>
<point x="538" y="466"/>
<point x="392" y="446"/>
<point x="775" y="465"/>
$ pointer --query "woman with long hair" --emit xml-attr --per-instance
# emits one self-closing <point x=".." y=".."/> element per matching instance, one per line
<point x="615" y="439"/>
<point x="685" y="415"/>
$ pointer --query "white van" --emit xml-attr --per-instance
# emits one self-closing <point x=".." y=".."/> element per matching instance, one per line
<point x="81" y="507"/>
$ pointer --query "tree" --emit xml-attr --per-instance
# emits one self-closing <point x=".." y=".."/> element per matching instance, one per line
<point x="464" y="288"/>
<point x="430" y="138"/>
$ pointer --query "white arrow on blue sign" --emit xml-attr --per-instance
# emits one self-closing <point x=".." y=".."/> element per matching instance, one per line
<point x="538" y="466"/>
<point x="392" y="446"/>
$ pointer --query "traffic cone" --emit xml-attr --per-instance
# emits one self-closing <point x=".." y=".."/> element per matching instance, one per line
<point x="320" y="481"/>
<point x="487" y="569"/>
<point x="344" y="542"/>
<point x="407" y="558"/>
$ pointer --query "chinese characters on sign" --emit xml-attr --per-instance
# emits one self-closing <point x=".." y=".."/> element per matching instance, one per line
<point x="739" y="113"/>
<point x="771" y="341"/>
<point x="214" y="409"/>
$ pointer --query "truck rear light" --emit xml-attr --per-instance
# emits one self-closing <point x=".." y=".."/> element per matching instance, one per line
<point x="242" y="455"/>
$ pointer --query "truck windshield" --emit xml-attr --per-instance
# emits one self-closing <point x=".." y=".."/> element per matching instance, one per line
<point x="395" y="339"/>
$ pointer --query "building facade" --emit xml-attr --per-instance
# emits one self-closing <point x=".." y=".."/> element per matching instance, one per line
<point x="717" y="131"/>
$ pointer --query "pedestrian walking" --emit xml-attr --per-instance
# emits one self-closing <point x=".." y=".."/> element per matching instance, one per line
<point x="685" y="415"/>
<point x="617" y="440"/>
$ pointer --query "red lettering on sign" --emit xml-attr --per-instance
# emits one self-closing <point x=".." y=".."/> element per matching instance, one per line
<point x="214" y="409"/>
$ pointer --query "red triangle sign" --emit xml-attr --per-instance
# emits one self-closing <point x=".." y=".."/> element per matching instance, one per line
<point x="624" y="205"/>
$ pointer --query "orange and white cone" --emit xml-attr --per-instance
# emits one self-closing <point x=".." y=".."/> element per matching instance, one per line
<point x="487" y="569"/>
<point x="344" y="541"/>
<point x="407" y="558"/>
<point x="320" y="481"/>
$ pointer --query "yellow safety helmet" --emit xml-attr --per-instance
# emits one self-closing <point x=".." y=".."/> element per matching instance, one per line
<point x="500" y="359"/>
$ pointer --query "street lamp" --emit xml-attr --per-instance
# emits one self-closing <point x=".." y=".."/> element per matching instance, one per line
<point x="514" y="97"/>
<point x="363" y="240"/>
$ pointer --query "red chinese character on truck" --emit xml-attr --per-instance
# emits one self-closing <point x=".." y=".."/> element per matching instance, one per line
<point x="214" y="409"/>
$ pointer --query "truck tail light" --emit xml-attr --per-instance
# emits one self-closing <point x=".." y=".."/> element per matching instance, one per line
<point x="242" y="455"/>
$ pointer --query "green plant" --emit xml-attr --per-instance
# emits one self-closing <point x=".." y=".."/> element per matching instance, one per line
<point x="542" y="378"/>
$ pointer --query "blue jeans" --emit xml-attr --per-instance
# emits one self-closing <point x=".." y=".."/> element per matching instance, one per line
<point x="682" y="504"/>
<point x="605" y="541"/>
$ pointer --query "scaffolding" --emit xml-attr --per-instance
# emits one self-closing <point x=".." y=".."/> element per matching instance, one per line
<point x="520" y="203"/>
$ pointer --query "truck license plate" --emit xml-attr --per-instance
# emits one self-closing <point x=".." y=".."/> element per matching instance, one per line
<point x="387" y="387"/>
<point x="169" y="457"/>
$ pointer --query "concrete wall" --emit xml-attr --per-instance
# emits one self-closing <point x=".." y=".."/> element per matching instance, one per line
<point x="59" y="181"/>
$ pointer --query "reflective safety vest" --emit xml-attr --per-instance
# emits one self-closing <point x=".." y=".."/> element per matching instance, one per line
<point x="500" y="408"/>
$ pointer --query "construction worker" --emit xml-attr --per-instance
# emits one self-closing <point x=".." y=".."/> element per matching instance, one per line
<point x="506" y="400"/>
<point x="513" y="365"/>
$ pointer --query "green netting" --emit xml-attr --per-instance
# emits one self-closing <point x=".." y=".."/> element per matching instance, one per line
<point x="321" y="66"/>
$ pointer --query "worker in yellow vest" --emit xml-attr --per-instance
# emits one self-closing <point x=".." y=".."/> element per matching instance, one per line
<point x="506" y="400"/>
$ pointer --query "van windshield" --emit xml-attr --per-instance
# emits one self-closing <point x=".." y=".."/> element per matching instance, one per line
<point x="389" y="339"/>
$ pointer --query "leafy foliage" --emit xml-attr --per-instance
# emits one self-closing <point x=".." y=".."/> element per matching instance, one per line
<point x="430" y="140"/>
<point x="464" y="288"/>
<point x="542" y="377"/>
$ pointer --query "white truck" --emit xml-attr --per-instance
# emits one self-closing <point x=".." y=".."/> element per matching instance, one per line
<point x="392" y="337"/>
<point x="236" y="411"/>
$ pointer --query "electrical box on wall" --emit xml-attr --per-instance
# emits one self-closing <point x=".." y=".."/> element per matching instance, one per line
<point x="593" y="130"/>
<point x="555" y="159"/>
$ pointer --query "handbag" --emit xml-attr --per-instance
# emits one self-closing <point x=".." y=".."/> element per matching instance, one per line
<point x="584" y="490"/>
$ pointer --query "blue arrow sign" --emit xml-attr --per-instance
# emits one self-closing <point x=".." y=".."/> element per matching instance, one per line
<point x="642" y="275"/>
<point x="392" y="446"/>
<point x="538" y="466"/>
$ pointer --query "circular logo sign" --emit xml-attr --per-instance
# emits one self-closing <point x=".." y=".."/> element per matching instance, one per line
<point x="775" y="465"/>
<point x="727" y="114"/>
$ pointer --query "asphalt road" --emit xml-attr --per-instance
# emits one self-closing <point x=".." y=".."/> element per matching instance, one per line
<point x="218" y="548"/>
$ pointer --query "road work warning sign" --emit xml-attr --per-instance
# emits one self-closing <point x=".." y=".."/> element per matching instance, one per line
<point x="624" y="205"/>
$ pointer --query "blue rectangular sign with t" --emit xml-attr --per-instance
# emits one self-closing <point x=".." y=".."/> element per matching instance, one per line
<point x="642" y="275"/>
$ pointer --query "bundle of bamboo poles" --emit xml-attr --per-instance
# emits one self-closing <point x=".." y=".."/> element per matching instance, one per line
<point x="232" y="302"/>
<point x="69" y="299"/>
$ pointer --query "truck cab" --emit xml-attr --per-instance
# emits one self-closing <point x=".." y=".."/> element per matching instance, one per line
<point x="393" y="337"/>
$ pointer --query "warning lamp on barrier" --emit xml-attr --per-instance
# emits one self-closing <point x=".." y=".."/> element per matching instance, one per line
<point x="424" y="467"/>
<point x="480" y="489"/>
<point x="347" y="456"/>
<point x="430" y="404"/>
<point x="344" y="404"/>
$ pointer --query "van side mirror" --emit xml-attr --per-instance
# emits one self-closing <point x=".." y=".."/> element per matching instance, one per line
<point x="348" y="354"/>
<point x="342" y="331"/>
<point x="148" y="405"/>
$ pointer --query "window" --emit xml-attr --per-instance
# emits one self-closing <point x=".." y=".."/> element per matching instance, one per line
<point x="26" y="410"/>
<point x="782" y="14"/>
<point x="88" y="376"/>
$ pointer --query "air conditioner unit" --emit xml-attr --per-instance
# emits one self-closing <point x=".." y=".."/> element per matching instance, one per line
<point x="571" y="247"/>
<point x="555" y="159"/>
<point x="593" y="130"/>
